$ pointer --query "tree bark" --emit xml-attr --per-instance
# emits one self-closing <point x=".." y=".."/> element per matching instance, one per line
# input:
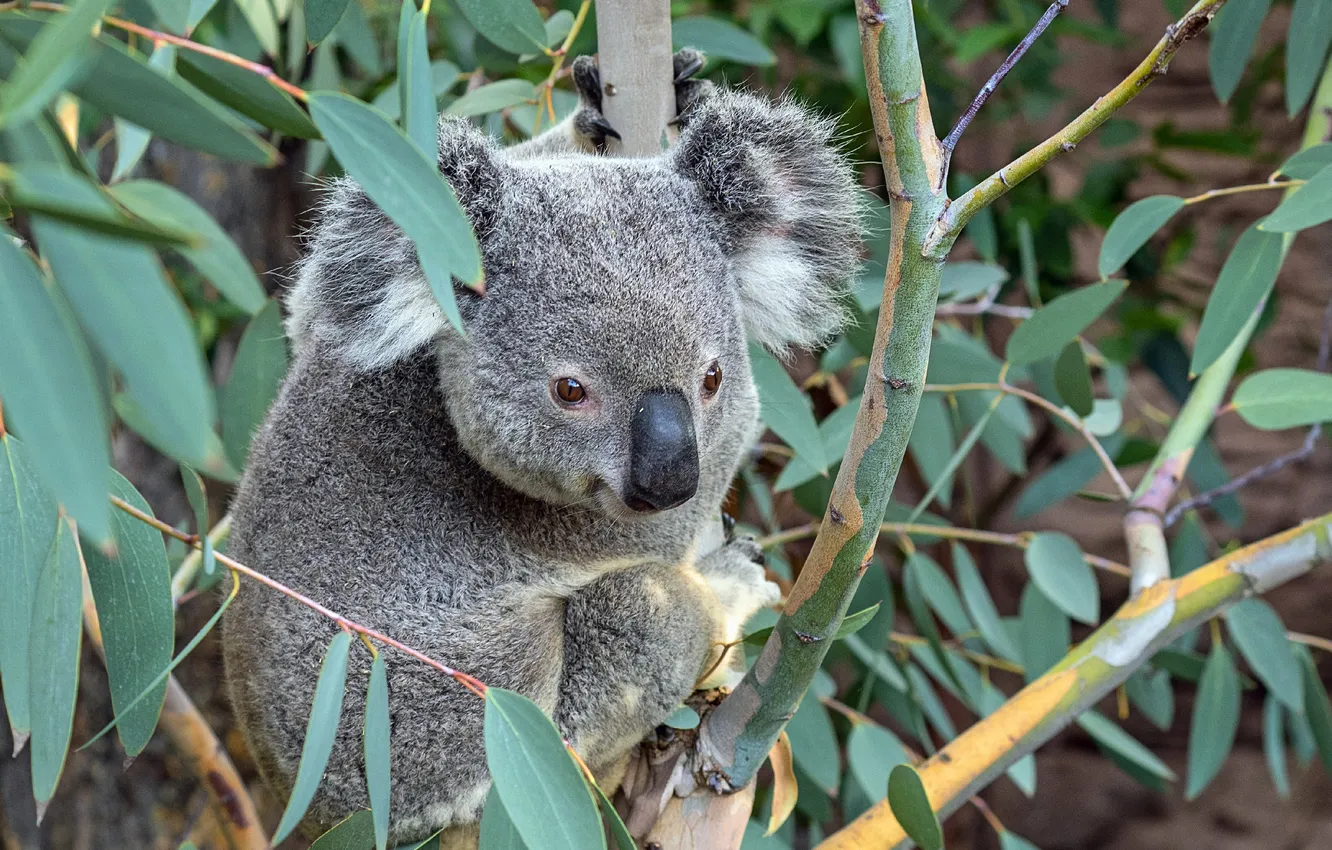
<point x="638" y="92"/>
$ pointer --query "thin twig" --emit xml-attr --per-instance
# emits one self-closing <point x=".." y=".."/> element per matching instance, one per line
<point x="1055" y="410"/>
<point x="1237" y="190"/>
<point x="998" y="77"/>
<point x="1311" y="640"/>
<point x="1277" y="464"/>
<point x="904" y="639"/>
<point x="545" y="89"/>
<point x="180" y="41"/>
<point x="473" y="684"/>
<point x="974" y="535"/>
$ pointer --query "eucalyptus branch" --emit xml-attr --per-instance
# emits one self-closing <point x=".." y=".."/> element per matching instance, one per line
<point x="974" y="535"/>
<point x="736" y="738"/>
<point x="1091" y="671"/>
<point x="961" y="211"/>
<point x="544" y="91"/>
<point x="1054" y="410"/>
<point x="1144" y="524"/>
<point x="472" y="684"/>
<point x="156" y="36"/>
<point x="998" y="77"/>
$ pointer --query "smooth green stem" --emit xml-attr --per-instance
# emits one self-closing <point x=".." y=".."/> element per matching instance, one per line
<point x="736" y="738"/>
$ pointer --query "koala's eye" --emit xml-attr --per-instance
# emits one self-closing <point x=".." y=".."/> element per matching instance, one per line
<point x="570" y="391"/>
<point x="712" y="379"/>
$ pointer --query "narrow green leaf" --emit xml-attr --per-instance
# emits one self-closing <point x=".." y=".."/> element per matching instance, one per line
<point x="512" y="25"/>
<point x="785" y="409"/>
<point x="59" y="194"/>
<point x="1307" y="41"/>
<point x="1317" y="710"/>
<point x="377" y="749"/>
<point x="1055" y="325"/>
<point x="963" y="449"/>
<point x="1150" y="692"/>
<point x="415" y="86"/>
<point x="51" y="393"/>
<point x="814" y="744"/>
<point x="1132" y="228"/>
<point x="321" y="16"/>
<point x="174" y="15"/>
<point x="618" y="831"/>
<point x="497" y="829"/>
<point x="355" y="832"/>
<point x="542" y="789"/>
<point x="1274" y="744"/>
<point x="492" y="97"/>
<point x="247" y="93"/>
<point x="876" y="661"/>
<point x="1307" y="206"/>
<point x="961" y="280"/>
<point x="939" y="592"/>
<point x="835" y="434"/>
<point x="325" y="711"/>
<point x="1244" y="282"/>
<point x="132" y="592"/>
<point x="1027" y="256"/>
<point x="1056" y="565"/>
<point x="1044" y="632"/>
<point x="28" y="515"/>
<point x="1261" y="638"/>
<point x="1307" y="162"/>
<point x="1073" y="381"/>
<point x="1215" y="720"/>
<point x="931" y="445"/>
<point x="215" y="255"/>
<point x="1284" y="398"/>
<point x="126" y="303"/>
<point x="55" y="59"/>
<point x="927" y="699"/>
<point x="53" y="666"/>
<point x="720" y="39"/>
<point x="256" y="376"/>
<point x="1234" y="32"/>
<point x="161" y="677"/>
<point x="980" y="605"/>
<point x="119" y="81"/>
<point x="853" y="623"/>
<point x="198" y="499"/>
<point x="871" y="753"/>
<point x="131" y="139"/>
<point x="1064" y="479"/>
<point x="911" y="807"/>
<point x="259" y="14"/>
<point x="1109" y="735"/>
<point x="407" y="187"/>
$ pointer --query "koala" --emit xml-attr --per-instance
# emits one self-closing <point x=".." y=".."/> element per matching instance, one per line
<point x="524" y="500"/>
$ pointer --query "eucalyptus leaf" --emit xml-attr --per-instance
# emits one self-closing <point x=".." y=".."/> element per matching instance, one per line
<point x="1216" y="713"/>
<point x="1234" y="33"/>
<point x="814" y="744"/>
<point x="1056" y="324"/>
<point x="513" y="25"/>
<point x="911" y="806"/>
<point x="1044" y="630"/>
<point x="416" y="89"/>
<point x="354" y="832"/>
<point x="376" y="741"/>
<point x="53" y="667"/>
<point x="1245" y="280"/>
<point x="492" y="97"/>
<point x="871" y="753"/>
<point x="1284" y="398"/>
<point x="1305" y="207"/>
<point x="720" y="39"/>
<point x="1073" y="379"/>
<point x="256" y="376"/>
<point x="1274" y="744"/>
<point x="785" y="409"/>
<point x="321" y="16"/>
<point x="1261" y="638"/>
<point x="1055" y="563"/>
<point x="1132" y="228"/>
<point x="1109" y="735"/>
<point x="1308" y="162"/>
<point x="56" y="58"/>
<point x="980" y="605"/>
<point x="1307" y="41"/>
<point x="320" y="731"/>
<point x="247" y="93"/>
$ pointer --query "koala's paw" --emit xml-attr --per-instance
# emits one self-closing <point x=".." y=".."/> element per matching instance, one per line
<point x="735" y="574"/>
<point x="590" y="123"/>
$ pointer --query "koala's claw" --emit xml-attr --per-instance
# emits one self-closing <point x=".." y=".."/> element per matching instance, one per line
<point x="728" y="526"/>
<point x="591" y="124"/>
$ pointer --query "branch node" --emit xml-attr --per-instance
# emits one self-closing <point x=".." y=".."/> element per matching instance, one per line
<point x="896" y="383"/>
<point x="806" y="638"/>
<point x="835" y="515"/>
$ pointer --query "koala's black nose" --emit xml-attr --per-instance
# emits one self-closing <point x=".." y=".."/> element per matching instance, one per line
<point x="663" y="458"/>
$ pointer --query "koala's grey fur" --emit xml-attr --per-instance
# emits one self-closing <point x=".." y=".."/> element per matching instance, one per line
<point x="425" y="484"/>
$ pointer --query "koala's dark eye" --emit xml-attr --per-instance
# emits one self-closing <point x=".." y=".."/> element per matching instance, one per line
<point x="712" y="379"/>
<point x="570" y="391"/>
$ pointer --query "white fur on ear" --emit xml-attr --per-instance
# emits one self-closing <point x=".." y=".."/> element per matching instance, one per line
<point x="783" y="301"/>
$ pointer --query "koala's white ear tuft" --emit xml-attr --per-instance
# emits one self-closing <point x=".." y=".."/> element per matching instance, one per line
<point x="360" y="291"/>
<point x="787" y="209"/>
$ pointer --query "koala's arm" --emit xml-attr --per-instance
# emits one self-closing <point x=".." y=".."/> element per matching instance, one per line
<point x="638" y="641"/>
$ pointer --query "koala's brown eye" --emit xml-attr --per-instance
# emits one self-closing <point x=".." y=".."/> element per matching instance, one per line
<point x="569" y="391"/>
<point x="712" y="379"/>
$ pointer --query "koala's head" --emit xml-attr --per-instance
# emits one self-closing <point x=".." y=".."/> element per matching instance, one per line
<point x="607" y="361"/>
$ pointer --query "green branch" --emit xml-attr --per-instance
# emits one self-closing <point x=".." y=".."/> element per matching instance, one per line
<point x="738" y="735"/>
<point x="961" y="211"/>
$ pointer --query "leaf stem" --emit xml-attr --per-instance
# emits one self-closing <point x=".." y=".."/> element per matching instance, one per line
<point x="546" y="89"/>
<point x="1073" y="421"/>
<point x="1237" y="190"/>
<point x="472" y="684"/>
<point x="180" y="41"/>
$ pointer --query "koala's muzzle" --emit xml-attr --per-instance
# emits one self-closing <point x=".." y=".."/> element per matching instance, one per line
<point x="663" y="457"/>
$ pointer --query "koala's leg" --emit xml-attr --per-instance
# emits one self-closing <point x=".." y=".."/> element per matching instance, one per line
<point x="586" y="129"/>
<point x="635" y="642"/>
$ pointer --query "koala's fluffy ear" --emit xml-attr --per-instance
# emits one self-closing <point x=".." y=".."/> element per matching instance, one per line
<point x="787" y="208"/>
<point x="360" y="290"/>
